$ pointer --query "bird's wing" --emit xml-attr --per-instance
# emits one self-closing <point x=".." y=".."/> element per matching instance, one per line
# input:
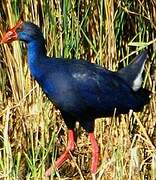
<point x="100" y="87"/>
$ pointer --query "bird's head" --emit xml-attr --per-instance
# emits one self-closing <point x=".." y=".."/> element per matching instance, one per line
<point x="24" y="31"/>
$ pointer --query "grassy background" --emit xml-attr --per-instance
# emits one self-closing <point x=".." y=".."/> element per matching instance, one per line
<point x="32" y="133"/>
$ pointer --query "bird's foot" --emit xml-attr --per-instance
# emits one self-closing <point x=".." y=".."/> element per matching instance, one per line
<point x="65" y="155"/>
<point x="49" y="171"/>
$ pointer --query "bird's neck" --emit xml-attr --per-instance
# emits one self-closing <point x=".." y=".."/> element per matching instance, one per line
<point x="36" y="51"/>
<point x="36" y="56"/>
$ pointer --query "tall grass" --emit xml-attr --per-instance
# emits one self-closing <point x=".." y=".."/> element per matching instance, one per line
<point x="32" y="133"/>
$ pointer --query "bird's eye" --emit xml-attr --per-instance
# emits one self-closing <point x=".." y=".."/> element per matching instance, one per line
<point x="19" y="29"/>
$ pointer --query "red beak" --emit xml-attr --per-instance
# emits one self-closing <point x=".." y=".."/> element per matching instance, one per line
<point x="11" y="35"/>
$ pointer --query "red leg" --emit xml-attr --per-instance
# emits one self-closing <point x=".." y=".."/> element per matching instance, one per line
<point x="95" y="153"/>
<point x="65" y="155"/>
<point x="70" y="147"/>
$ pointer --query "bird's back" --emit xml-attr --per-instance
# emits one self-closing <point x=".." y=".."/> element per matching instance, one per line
<point x="81" y="88"/>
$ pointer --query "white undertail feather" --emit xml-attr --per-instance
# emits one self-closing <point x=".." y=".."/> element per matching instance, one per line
<point x="138" y="80"/>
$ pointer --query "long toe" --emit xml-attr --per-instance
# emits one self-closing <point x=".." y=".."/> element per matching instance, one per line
<point x="48" y="172"/>
<point x="61" y="160"/>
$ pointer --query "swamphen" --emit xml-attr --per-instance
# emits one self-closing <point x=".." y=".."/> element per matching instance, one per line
<point x="81" y="90"/>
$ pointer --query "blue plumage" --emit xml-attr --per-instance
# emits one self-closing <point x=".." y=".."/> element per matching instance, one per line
<point x="81" y="90"/>
<point x="87" y="89"/>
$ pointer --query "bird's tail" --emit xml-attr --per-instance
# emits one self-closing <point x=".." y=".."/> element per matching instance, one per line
<point x="143" y="98"/>
<point x="132" y="73"/>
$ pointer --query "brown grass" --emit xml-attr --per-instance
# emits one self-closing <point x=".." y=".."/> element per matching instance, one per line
<point x="32" y="132"/>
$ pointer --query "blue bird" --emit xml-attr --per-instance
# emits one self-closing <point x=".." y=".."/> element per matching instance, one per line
<point x="82" y="91"/>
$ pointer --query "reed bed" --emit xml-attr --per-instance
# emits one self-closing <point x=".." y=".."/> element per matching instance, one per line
<point x="32" y="133"/>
